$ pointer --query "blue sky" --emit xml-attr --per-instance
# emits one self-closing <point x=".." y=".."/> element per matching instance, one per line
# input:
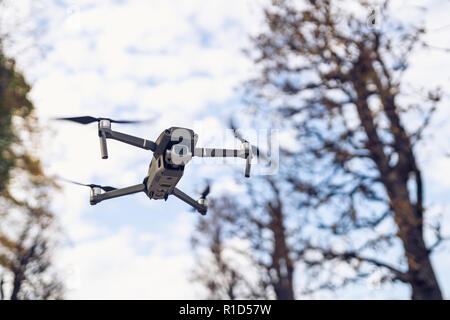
<point x="181" y="61"/>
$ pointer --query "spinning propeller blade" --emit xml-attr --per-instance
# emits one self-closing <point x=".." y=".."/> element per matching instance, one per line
<point x="104" y="188"/>
<point x="82" y="120"/>
<point x="255" y="150"/>
<point x="89" y="119"/>
<point x="205" y="192"/>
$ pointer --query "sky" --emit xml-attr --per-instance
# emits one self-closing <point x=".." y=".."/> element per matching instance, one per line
<point x="179" y="63"/>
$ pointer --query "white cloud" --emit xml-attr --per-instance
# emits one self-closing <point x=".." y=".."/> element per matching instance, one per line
<point x="111" y="267"/>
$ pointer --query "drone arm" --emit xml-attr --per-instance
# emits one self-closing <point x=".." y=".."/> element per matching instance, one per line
<point x="129" y="139"/>
<point x="184" y="197"/>
<point x="233" y="153"/>
<point x="96" y="198"/>
<point x="219" y="153"/>
<point x="106" y="133"/>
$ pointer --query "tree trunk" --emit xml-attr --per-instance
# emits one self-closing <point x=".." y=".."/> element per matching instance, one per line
<point x="17" y="283"/>
<point x="2" y="294"/>
<point x="420" y="273"/>
<point x="407" y="215"/>
<point x="281" y="262"/>
<point x="284" y="289"/>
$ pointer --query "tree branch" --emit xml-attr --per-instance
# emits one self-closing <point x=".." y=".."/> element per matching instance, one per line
<point x="347" y="256"/>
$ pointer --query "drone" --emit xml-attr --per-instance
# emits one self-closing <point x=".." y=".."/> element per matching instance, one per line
<point x="172" y="150"/>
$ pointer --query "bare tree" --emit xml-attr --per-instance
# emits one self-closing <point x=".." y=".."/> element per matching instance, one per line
<point x="338" y="83"/>
<point x="262" y="224"/>
<point x="29" y="262"/>
<point x="220" y="277"/>
<point x="350" y="193"/>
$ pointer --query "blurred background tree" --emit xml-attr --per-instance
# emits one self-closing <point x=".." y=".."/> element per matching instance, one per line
<point x="26" y="223"/>
<point x="270" y="251"/>
<point x="348" y="204"/>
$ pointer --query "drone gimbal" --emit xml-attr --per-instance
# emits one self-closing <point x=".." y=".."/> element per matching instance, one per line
<point x="173" y="149"/>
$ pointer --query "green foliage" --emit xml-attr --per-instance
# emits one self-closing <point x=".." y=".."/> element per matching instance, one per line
<point x="13" y="103"/>
<point x="27" y="223"/>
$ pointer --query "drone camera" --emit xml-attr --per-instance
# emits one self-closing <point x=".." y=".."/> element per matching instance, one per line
<point x="180" y="150"/>
<point x="180" y="154"/>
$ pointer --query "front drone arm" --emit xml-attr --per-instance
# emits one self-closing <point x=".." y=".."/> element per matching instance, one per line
<point x="134" y="141"/>
<point x="105" y="132"/>
<point x="198" y="205"/>
<point x="97" y="196"/>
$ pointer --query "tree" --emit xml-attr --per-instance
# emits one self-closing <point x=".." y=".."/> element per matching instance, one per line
<point x="222" y="278"/>
<point x="26" y="221"/>
<point x="336" y="80"/>
<point x="262" y="223"/>
<point x="341" y="81"/>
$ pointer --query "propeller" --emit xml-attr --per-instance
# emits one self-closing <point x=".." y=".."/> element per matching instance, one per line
<point x="104" y="188"/>
<point x="89" y="119"/>
<point x="255" y="150"/>
<point x="203" y="195"/>
<point x="205" y="192"/>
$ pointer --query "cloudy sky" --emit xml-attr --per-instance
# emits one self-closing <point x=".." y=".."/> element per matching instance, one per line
<point x="180" y="61"/>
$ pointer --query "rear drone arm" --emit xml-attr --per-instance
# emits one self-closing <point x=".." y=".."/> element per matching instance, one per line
<point x="97" y="196"/>
<point x="105" y="132"/>
<point x="199" y="205"/>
